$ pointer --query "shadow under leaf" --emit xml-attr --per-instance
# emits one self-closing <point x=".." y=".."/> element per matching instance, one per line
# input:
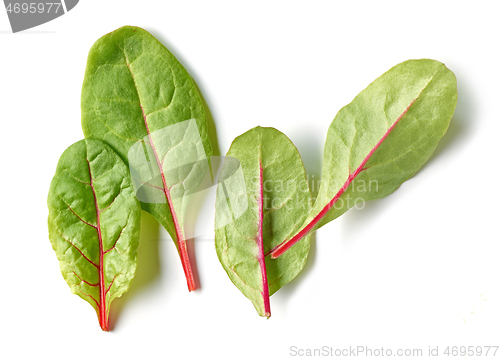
<point x="148" y="265"/>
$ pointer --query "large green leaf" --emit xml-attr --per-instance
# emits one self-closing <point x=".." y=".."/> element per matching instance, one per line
<point x="262" y="198"/>
<point x="381" y="139"/>
<point x="139" y="99"/>
<point x="94" y="220"/>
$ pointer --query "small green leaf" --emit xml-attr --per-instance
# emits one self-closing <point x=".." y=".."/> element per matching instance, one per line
<point x="139" y="99"/>
<point x="94" y="220"/>
<point x="381" y="139"/>
<point x="262" y="198"/>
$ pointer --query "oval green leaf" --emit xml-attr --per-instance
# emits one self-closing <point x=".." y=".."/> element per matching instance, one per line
<point x="262" y="198"/>
<point x="135" y="92"/>
<point x="381" y="139"/>
<point x="94" y="221"/>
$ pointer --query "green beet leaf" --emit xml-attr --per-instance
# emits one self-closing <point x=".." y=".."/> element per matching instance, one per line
<point x="262" y="198"/>
<point x="94" y="221"/>
<point x="140" y="100"/>
<point x="381" y="139"/>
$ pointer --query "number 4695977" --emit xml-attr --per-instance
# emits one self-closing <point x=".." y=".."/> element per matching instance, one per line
<point x="32" y="8"/>
<point x="471" y="351"/>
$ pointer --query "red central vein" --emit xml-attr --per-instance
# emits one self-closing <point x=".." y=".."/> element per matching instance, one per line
<point x="260" y="244"/>
<point x="180" y="241"/>
<point x="287" y="244"/>
<point x="103" y="318"/>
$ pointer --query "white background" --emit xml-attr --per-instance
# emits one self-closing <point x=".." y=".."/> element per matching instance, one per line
<point x="418" y="268"/>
